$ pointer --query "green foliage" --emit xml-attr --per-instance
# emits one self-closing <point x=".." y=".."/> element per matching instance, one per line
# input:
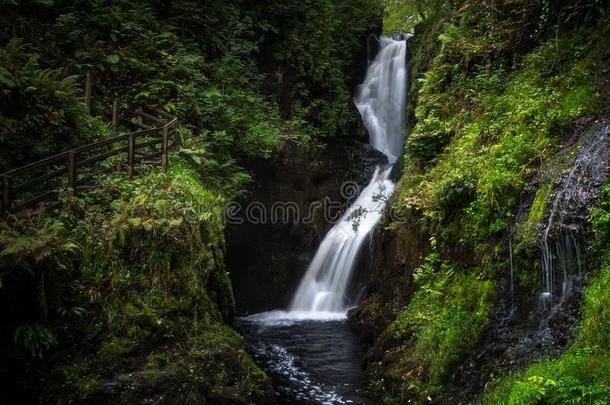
<point x="439" y="326"/>
<point x="41" y="110"/>
<point x="38" y="251"/>
<point x="536" y="213"/>
<point x="402" y="16"/>
<point x="150" y="63"/>
<point x="431" y="136"/>
<point x="495" y="131"/>
<point x="148" y="274"/>
<point x="225" y="176"/>
<point x="213" y="64"/>
<point x="46" y="241"/>
<point x="496" y="88"/>
<point x="313" y="49"/>
<point x="580" y="376"/>
<point x="595" y="325"/>
<point x="35" y="338"/>
<point x="136" y="268"/>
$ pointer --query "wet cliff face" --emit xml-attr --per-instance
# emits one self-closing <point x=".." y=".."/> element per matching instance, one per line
<point x="396" y="253"/>
<point x="528" y="322"/>
<point x="521" y="329"/>
<point x="300" y="190"/>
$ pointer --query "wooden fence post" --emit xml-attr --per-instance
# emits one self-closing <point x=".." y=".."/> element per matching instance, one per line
<point x="164" y="134"/>
<point x="131" y="154"/>
<point x="88" y="91"/>
<point x="7" y="197"/>
<point x="115" y="116"/>
<point x="72" y="171"/>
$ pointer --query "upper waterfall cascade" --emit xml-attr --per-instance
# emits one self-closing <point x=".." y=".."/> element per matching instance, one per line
<point x="381" y="100"/>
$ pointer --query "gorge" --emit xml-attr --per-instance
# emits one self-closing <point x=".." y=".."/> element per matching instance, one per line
<point x="357" y="202"/>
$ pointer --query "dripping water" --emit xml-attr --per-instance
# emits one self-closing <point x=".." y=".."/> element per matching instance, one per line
<point x="512" y="273"/>
<point x="561" y="252"/>
<point x="562" y="241"/>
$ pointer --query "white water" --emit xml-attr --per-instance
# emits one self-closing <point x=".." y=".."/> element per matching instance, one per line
<point x="381" y="100"/>
<point x="323" y="287"/>
<point x="298" y="346"/>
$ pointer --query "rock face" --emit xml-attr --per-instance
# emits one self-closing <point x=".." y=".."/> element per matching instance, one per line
<point x="398" y="252"/>
<point x="522" y="330"/>
<point x="301" y="191"/>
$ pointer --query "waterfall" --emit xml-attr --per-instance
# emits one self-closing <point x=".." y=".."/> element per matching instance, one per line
<point x="381" y="100"/>
<point x="561" y="240"/>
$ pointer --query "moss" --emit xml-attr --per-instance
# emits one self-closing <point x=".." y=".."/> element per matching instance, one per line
<point x="147" y="277"/>
<point x="498" y="139"/>
<point x="579" y="376"/>
<point x="433" y="332"/>
<point x="112" y="350"/>
<point x="550" y="171"/>
<point x="536" y="213"/>
<point x="210" y="365"/>
<point x="488" y="106"/>
<point x="480" y="134"/>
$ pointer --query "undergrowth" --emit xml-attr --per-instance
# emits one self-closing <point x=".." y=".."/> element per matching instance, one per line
<point x="496" y="89"/>
<point x="433" y="332"/>
<point x="132" y="292"/>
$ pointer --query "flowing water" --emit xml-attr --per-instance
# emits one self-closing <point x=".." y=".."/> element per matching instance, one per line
<point x="323" y="289"/>
<point x="562" y="262"/>
<point x="310" y="352"/>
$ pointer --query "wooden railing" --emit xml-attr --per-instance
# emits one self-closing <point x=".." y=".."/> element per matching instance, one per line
<point x="39" y="183"/>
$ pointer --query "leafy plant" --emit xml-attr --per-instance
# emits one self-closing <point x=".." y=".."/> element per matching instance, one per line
<point x="35" y="338"/>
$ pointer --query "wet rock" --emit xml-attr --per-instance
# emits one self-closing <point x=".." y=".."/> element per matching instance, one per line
<point x="397" y="253"/>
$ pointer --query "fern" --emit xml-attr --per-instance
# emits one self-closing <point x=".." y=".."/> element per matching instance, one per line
<point x="35" y="338"/>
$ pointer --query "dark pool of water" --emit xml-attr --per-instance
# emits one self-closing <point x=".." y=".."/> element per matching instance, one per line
<point x="309" y="361"/>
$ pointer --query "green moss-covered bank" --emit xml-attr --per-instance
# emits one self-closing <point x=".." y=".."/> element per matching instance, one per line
<point x="497" y="90"/>
<point x="123" y="298"/>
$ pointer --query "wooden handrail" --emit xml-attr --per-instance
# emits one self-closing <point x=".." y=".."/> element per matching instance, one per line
<point x="67" y="165"/>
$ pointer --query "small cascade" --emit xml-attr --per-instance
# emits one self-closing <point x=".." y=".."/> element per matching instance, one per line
<point x="513" y="339"/>
<point x="561" y="255"/>
<point x="381" y="100"/>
